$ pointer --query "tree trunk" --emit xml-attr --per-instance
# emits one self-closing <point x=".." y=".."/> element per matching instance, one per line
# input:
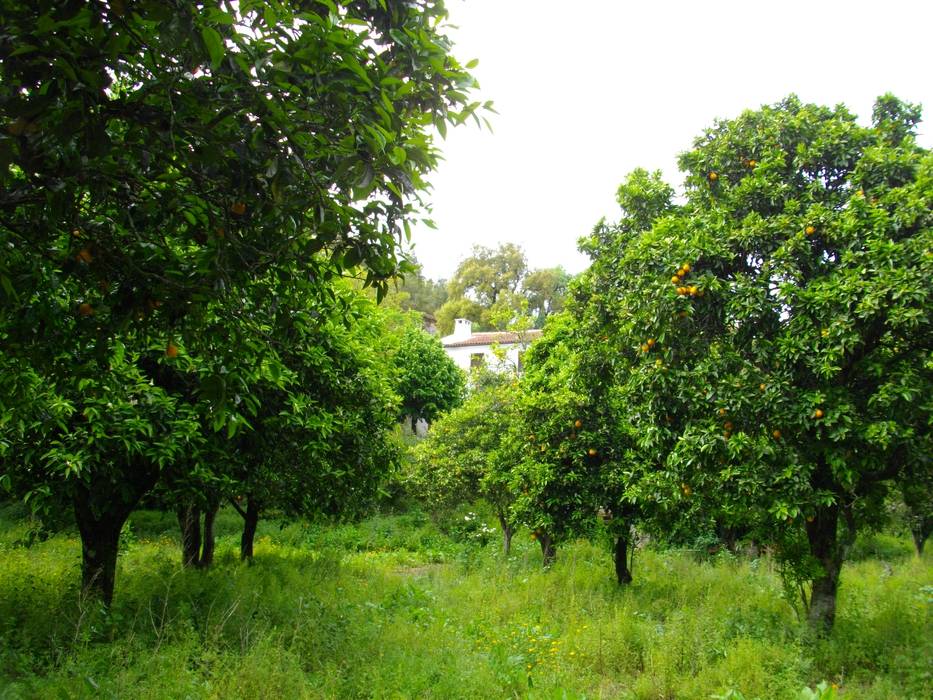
<point x="189" y="520"/>
<point x="823" y="536"/>
<point x="100" y="542"/>
<point x="507" y="533"/>
<point x="207" y="549"/>
<point x="548" y="551"/>
<point x="100" y="512"/>
<point x="623" y="574"/>
<point x="920" y="537"/>
<point x="251" y="519"/>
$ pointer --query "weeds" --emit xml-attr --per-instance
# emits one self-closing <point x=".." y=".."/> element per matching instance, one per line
<point x="394" y="607"/>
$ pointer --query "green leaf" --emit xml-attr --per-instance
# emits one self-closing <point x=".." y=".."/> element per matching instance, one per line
<point x="215" y="45"/>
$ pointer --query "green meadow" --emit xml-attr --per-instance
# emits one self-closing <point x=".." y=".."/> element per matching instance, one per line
<point x="395" y="606"/>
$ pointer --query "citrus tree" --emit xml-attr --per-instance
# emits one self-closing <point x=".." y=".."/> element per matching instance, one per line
<point x="775" y="327"/>
<point x="429" y="381"/>
<point x="470" y="451"/>
<point x="156" y="159"/>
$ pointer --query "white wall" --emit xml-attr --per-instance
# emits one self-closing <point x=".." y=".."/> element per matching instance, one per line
<point x="461" y="355"/>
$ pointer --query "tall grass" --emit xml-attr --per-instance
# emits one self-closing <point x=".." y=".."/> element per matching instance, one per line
<point x="392" y="607"/>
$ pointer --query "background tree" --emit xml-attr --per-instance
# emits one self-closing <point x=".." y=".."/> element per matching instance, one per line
<point x="155" y="161"/>
<point x="429" y="381"/>
<point x="493" y="281"/>
<point x="470" y="452"/>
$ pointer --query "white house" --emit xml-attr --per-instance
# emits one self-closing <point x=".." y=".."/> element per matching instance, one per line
<point x="468" y="349"/>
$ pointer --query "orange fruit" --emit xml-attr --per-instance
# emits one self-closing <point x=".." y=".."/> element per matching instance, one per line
<point x="171" y="350"/>
<point x="685" y="267"/>
<point x="645" y="348"/>
<point x="776" y="434"/>
<point x="686" y="489"/>
<point x="722" y="411"/>
<point x="713" y="176"/>
<point x="692" y="290"/>
<point x="578" y="423"/>
<point x="681" y="290"/>
<point x="650" y="342"/>
<point x="238" y="208"/>
<point x="591" y="452"/>
<point x="762" y="387"/>
<point x="84" y="255"/>
<point x="810" y="230"/>
<point x="752" y="163"/>
<point x="818" y="413"/>
<point x="86" y="309"/>
<point x="675" y="280"/>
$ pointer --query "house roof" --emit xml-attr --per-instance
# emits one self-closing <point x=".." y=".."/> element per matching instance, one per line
<point x="501" y="337"/>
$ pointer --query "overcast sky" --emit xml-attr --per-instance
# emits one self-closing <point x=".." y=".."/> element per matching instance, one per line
<point x="587" y="90"/>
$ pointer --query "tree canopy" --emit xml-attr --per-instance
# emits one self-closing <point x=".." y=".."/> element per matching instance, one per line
<point x="167" y="170"/>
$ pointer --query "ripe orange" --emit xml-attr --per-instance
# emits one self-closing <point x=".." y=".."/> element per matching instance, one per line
<point x="650" y="342"/>
<point x="776" y="434"/>
<point x="722" y="411"/>
<point x="692" y="290"/>
<point x="818" y="413"/>
<point x="762" y="387"/>
<point x="685" y="267"/>
<point x="86" y="309"/>
<point x="810" y="230"/>
<point x="713" y="176"/>
<point x="578" y="423"/>
<point x="238" y="208"/>
<point x="675" y="280"/>
<point x="752" y="163"/>
<point x="681" y="290"/>
<point x="645" y="348"/>
<point x="171" y="350"/>
<point x="591" y="452"/>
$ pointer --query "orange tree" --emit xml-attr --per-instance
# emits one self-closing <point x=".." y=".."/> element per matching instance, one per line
<point x="470" y="451"/>
<point x="774" y="332"/>
<point x="156" y="158"/>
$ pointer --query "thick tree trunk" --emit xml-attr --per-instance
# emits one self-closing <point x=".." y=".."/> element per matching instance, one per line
<point x="100" y="513"/>
<point x="207" y="549"/>
<point x="189" y="520"/>
<point x="507" y="533"/>
<point x="548" y="551"/>
<point x="251" y="520"/>
<point x="100" y="542"/>
<point x="623" y="573"/>
<point x="823" y="536"/>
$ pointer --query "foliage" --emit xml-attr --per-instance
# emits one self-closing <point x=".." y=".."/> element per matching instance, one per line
<point x="470" y="452"/>
<point x="165" y="170"/>
<point x="492" y="286"/>
<point x="773" y="332"/>
<point x="429" y="381"/>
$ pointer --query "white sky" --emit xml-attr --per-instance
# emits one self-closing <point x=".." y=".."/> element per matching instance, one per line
<point x="587" y="90"/>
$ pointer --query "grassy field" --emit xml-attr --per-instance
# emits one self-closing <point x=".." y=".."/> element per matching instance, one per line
<point x="391" y="607"/>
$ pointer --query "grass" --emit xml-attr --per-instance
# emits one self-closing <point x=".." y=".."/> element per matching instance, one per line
<point x="391" y="607"/>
